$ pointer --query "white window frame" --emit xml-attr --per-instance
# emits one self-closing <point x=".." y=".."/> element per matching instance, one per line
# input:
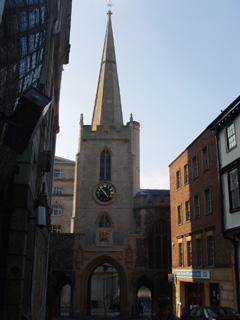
<point x="197" y="209"/>
<point x="179" y="214"/>
<point x="231" y="136"/>
<point x="178" y="179"/>
<point x="56" y="229"/>
<point x="187" y="210"/>
<point x="57" y="173"/>
<point x="57" y="211"/>
<point x="57" y="190"/>
<point x="194" y="167"/>
<point x="205" y="159"/>
<point x="234" y="190"/>
<point x="186" y="173"/>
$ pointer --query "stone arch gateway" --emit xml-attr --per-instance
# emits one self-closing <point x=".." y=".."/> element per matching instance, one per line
<point x="83" y="285"/>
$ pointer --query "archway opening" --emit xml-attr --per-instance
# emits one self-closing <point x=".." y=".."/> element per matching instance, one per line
<point x="144" y="300"/>
<point x="65" y="300"/>
<point x="105" y="291"/>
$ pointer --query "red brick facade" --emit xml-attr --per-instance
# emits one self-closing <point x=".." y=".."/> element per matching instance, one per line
<point x="197" y="240"/>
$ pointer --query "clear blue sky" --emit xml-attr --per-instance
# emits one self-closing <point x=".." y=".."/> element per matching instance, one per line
<point x="178" y="65"/>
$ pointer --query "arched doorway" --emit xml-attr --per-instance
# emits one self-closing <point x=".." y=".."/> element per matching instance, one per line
<point x="144" y="301"/>
<point x="105" y="291"/>
<point x="144" y="295"/>
<point x="65" y="300"/>
<point x="63" y="295"/>
<point x="85" y="284"/>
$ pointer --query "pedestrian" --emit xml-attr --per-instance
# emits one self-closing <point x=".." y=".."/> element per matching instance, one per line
<point x="165" y="310"/>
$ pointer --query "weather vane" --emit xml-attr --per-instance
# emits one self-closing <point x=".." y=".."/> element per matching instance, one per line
<point x="109" y="4"/>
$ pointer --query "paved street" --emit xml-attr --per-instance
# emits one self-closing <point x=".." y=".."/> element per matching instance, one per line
<point x="99" y="317"/>
<point x="99" y="313"/>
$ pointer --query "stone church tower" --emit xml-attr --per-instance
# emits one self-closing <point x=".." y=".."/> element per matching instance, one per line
<point x="107" y="162"/>
<point x="114" y="224"/>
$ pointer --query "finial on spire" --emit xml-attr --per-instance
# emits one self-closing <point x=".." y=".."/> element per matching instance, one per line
<point x="109" y="5"/>
<point x="131" y="117"/>
<point x="81" y="119"/>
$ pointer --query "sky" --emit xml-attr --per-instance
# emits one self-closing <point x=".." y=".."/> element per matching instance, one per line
<point x="178" y="64"/>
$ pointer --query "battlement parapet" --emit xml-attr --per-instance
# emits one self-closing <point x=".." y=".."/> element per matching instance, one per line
<point x="152" y="198"/>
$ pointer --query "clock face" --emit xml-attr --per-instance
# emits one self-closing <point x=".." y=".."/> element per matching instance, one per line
<point x="105" y="192"/>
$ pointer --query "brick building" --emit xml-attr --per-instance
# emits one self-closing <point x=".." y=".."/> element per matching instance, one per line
<point x="203" y="274"/>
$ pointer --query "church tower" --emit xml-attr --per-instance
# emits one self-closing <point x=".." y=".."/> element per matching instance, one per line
<point x="107" y="163"/>
<point x="119" y="240"/>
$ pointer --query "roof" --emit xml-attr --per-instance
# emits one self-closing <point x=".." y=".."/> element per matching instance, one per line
<point x="226" y="115"/>
<point x="63" y="160"/>
<point x="153" y="192"/>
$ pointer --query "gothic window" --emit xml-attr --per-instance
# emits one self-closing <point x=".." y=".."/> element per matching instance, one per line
<point x="159" y="245"/>
<point x="104" y="221"/>
<point x="105" y="165"/>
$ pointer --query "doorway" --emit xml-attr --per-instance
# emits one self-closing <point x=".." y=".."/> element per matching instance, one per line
<point x="144" y="301"/>
<point x="65" y="300"/>
<point x="194" y="294"/>
<point x="105" y="291"/>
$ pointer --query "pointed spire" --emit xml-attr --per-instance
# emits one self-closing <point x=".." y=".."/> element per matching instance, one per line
<point x="108" y="109"/>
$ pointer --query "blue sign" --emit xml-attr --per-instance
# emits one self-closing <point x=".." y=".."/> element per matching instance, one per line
<point x="195" y="274"/>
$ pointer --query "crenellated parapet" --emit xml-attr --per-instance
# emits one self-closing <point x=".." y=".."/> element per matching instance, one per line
<point x="147" y="198"/>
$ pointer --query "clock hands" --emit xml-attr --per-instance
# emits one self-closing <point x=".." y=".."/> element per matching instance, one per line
<point x="101" y="188"/>
<point x="104" y="192"/>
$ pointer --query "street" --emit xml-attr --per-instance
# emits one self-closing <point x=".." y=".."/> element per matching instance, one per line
<point x="100" y="313"/>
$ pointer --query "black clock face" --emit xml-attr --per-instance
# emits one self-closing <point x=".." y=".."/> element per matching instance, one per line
<point x="105" y="192"/>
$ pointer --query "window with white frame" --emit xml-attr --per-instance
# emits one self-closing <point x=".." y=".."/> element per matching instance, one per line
<point x="205" y="159"/>
<point x="58" y="173"/>
<point x="179" y="213"/>
<point x="189" y="253"/>
<point x="231" y="136"/>
<point x="234" y="195"/>
<point x="57" y="211"/>
<point x="197" y="213"/>
<point x="186" y="174"/>
<point x="187" y="210"/>
<point x="210" y="247"/>
<point x="194" y="167"/>
<point x="208" y="200"/>
<point x="178" y="179"/>
<point x="56" y="229"/>
<point x="57" y="191"/>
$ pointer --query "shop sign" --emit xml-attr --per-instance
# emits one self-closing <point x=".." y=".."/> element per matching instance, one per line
<point x="195" y="274"/>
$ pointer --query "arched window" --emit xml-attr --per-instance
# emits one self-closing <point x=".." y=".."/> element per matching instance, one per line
<point x="105" y="165"/>
<point x="104" y="221"/>
<point x="159" y="254"/>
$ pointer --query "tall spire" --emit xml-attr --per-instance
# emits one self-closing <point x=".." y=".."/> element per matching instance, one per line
<point x="108" y="110"/>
